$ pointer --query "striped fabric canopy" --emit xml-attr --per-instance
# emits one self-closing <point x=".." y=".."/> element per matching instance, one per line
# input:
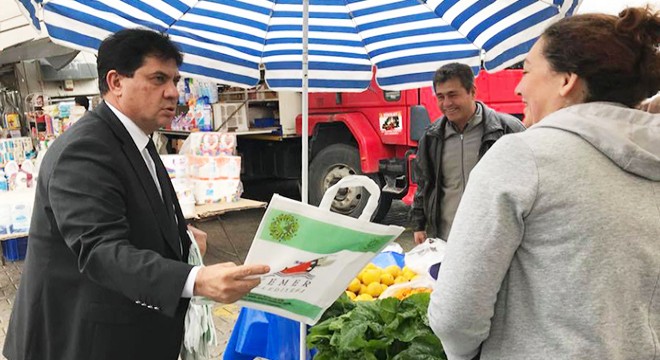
<point x="406" y="40"/>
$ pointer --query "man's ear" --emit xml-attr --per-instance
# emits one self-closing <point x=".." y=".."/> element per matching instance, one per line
<point x="113" y="79"/>
<point x="570" y="84"/>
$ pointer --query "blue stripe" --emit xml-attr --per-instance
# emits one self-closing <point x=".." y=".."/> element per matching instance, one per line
<point x="177" y="5"/>
<point x="139" y="22"/>
<point x="370" y="10"/>
<point x="320" y="28"/>
<point x="444" y="6"/>
<point x="73" y="37"/>
<point x="338" y="54"/>
<point x="230" y="18"/>
<point x="245" y="50"/>
<point x="312" y="15"/>
<point x="315" y="41"/>
<point x="418" y="59"/>
<point x="245" y="6"/>
<point x="497" y="17"/>
<point x="408" y="33"/>
<point x="220" y="75"/>
<point x="318" y="84"/>
<point x="510" y="54"/>
<point x="151" y="11"/>
<point x="404" y="79"/>
<point x="311" y="2"/>
<point x="571" y="10"/>
<point x="520" y="26"/>
<point x="315" y="65"/>
<point x="397" y="21"/>
<point x="418" y="45"/>
<point x="471" y="11"/>
<point x="82" y="17"/>
<point x="95" y="21"/>
<point x="27" y="4"/>
<point x="194" y="50"/>
<point x="229" y="33"/>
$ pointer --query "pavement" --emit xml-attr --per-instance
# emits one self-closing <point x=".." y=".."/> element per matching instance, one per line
<point x="229" y="239"/>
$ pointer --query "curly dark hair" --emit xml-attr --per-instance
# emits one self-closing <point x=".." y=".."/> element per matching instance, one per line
<point x="617" y="57"/>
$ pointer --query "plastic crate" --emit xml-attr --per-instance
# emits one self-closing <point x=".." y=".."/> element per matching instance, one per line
<point x="230" y="116"/>
<point x="265" y="122"/>
<point x="15" y="249"/>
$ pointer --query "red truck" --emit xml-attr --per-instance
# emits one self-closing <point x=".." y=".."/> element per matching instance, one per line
<point x="374" y="132"/>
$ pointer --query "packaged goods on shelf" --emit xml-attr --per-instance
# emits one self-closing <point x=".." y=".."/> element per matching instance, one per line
<point x="214" y="167"/>
<point x="15" y="149"/>
<point x="175" y="165"/>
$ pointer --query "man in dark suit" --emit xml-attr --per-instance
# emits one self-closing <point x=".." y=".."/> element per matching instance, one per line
<point x="106" y="275"/>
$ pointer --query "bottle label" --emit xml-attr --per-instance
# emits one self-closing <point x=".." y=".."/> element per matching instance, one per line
<point x="13" y="122"/>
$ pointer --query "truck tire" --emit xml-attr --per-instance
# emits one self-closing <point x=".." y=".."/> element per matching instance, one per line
<point x="329" y="166"/>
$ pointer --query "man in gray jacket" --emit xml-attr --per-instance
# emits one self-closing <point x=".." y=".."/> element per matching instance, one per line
<point x="450" y="149"/>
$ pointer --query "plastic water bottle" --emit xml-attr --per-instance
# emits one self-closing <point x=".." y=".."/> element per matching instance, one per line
<point x="4" y="185"/>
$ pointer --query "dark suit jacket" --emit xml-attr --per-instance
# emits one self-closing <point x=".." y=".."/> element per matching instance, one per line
<point x="104" y="269"/>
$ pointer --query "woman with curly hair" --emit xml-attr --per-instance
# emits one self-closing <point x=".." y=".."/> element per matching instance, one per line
<point x="555" y="249"/>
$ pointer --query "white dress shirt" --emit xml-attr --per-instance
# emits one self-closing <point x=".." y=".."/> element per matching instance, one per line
<point x="141" y="139"/>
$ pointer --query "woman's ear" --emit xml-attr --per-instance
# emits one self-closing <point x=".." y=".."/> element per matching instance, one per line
<point x="572" y="87"/>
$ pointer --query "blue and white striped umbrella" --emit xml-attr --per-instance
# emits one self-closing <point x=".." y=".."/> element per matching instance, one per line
<point x="29" y="9"/>
<point x="406" y="40"/>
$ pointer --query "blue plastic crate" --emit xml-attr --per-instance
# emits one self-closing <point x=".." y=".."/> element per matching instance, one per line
<point x="15" y="249"/>
<point x="265" y="122"/>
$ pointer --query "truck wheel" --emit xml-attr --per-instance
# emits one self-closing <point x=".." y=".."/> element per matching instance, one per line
<point x="332" y="164"/>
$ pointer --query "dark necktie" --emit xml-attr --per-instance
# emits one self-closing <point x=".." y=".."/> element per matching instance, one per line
<point x="163" y="178"/>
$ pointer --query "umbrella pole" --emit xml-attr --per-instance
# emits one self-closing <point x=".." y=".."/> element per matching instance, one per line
<point x="305" y="142"/>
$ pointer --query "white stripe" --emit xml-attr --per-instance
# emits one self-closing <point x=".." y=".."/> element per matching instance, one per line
<point x="429" y="66"/>
<point x="219" y="37"/>
<point x="221" y="65"/>
<point x="223" y="24"/>
<point x="165" y="7"/>
<point x="313" y="22"/>
<point x="361" y="5"/>
<point x="315" y="58"/>
<point x="216" y="48"/>
<point x="214" y="80"/>
<point x="130" y="10"/>
<point x="393" y="29"/>
<point x="392" y="14"/>
<point x="316" y="47"/>
<point x="517" y="39"/>
<point x="413" y="40"/>
<point x="506" y="22"/>
<point x="314" y="35"/>
<point x="421" y="51"/>
<point x="235" y="11"/>
<point x="319" y="74"/>
<point x="458" y="9"/>
<point x="482" y="16"/>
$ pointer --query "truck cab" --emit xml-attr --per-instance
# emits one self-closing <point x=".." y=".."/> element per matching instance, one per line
<point x="375" y="133"/>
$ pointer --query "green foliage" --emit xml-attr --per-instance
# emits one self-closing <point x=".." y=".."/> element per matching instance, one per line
<point x="376" y="330"/>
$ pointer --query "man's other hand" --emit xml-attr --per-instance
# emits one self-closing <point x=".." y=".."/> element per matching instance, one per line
<point x="226" y="283"/>
<point x="200" y="238"/>
<point x="420" y="236"/>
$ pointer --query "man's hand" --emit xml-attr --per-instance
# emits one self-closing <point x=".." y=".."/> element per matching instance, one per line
<point x="200" y="238"/>
<point x="226" y="282"/>
<point x="420" y="236"/>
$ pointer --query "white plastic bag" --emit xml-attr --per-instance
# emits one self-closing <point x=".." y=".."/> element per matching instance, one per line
<point x="425" y="255"/>
<point x="200" y="333"/>
<point x="313" y="253"/>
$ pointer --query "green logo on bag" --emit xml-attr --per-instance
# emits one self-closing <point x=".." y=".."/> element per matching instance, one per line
<point x="283" y="227"/>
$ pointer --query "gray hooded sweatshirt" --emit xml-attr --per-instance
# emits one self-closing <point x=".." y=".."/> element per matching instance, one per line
<point x="555" y="249"/>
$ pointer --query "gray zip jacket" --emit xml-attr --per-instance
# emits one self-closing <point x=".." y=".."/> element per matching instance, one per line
<point x="555" y="249"/>
<point x="426" y="211"/>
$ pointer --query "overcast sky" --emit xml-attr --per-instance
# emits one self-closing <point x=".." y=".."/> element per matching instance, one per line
<point x="613" y="6"/>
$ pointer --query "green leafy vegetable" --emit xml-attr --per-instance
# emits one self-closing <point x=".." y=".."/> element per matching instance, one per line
<point x="387" y="329"/>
